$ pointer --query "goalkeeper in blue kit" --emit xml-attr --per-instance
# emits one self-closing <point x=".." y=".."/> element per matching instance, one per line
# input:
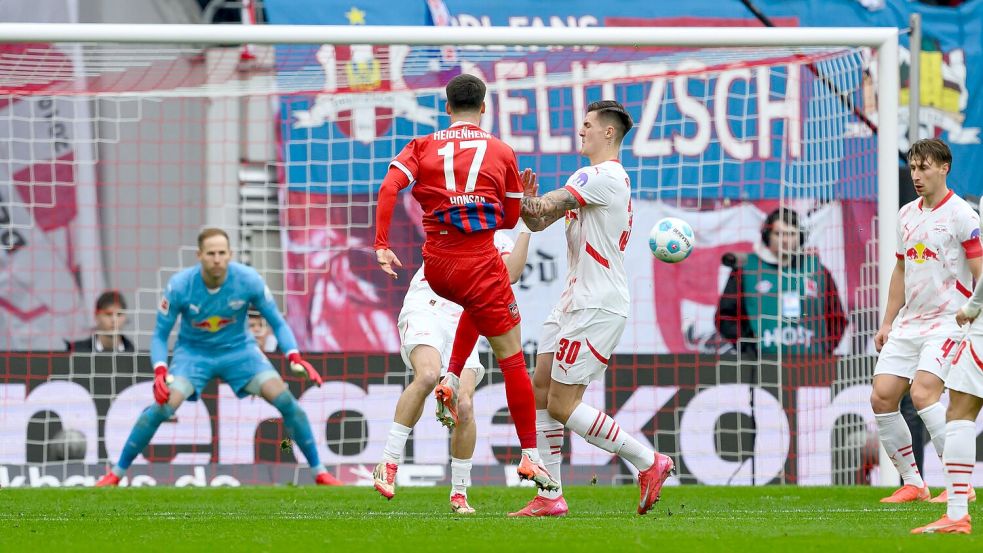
<point x="214" y="341"/>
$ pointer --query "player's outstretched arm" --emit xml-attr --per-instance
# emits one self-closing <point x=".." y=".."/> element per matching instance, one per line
<point x="542" y="211"/>
<point x="395" y="181"/>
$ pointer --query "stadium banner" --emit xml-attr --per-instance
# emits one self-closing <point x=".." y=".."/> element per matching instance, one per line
<point x="64" y="416"/>
<point x="335" y="147"/>
<point x="951" y="68"/>
<point x="50" y="258"/>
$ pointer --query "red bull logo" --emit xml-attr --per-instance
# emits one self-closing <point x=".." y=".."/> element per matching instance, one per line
<point x="213" y="323"/>
<point x="920" y="253"/>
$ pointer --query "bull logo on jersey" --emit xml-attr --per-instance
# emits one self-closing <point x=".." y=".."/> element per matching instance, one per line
<point x="213" y="323"/>
<point x="364" y="92"/>
<point x="920" y="253"/>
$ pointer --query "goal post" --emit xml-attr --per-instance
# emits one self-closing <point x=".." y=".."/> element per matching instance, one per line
<point x="287" y="148"/>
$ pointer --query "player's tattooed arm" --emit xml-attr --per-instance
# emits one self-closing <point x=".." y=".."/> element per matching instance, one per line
<point x="540" y="212"/>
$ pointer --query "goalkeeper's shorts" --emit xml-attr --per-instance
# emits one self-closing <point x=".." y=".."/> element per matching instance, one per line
<point x="236" y="368"/>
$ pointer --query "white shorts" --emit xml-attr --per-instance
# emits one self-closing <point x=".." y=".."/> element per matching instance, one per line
<point x="904" y="356"/>
<point x="582" y="342"/>
<point x="425" y="326"/>
<point x="966" y="374"/>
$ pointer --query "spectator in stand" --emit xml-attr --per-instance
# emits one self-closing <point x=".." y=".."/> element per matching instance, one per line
<point x="780" y="294"/>
<point x="261" y="330"/>
<point x="106" y="337"/>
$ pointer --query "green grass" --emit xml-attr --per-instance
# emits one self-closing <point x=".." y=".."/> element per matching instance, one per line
<point x="602" y="519"/>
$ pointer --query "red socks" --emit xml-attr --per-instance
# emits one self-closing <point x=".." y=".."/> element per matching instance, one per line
<point x="518" y="394"/>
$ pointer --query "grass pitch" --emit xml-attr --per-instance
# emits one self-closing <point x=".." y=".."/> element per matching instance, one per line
<point x="602" y="519"/>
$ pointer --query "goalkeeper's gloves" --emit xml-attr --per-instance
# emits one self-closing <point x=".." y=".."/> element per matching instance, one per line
<point x="161" y="391"/>
<point x="303" y="368"/>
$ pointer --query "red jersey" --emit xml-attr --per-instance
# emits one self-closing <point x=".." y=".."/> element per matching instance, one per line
<point x="467" y="182"/>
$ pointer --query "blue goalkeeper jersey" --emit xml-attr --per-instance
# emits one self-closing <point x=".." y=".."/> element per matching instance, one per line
<point x="216" y="320"/>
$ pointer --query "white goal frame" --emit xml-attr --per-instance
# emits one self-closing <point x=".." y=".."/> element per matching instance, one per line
<point x="883" y="41"/>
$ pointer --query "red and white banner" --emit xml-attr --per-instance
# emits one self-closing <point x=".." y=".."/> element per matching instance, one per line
<point x="50" y="267"/>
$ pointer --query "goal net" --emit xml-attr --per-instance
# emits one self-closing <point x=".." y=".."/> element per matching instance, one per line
<point x="117" y="153"/>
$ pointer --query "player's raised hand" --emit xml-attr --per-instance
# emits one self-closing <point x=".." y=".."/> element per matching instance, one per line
<point x="387" y="259"/>
<point x="529" y="185"/>
<point x="302" y="368"/>
<point x="881" y="337"/>
<point x="161" y="392"/>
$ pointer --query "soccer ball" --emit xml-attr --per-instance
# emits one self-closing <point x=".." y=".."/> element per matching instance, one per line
<point x="671" y="240"/>
<point x="67" y="445"/>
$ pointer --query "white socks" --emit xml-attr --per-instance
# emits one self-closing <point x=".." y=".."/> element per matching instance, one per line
<point x="460" y="475"/>
<point x="604" y="432"/>
<point x="396" y="443"/>
<point x="959" y="459"/>
<point x="549" y="441"/>
<point x="896" y="438"/>
<point x="934" y="418"/>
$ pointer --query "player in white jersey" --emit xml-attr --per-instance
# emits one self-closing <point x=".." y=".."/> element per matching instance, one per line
<point x="965" y="383"/>
<point x="583" y="329"/>
<point x="938" y="258"/>
<point x="427" y="325"/>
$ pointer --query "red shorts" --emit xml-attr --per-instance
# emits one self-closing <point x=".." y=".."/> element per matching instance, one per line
<point x="478" y="282"/>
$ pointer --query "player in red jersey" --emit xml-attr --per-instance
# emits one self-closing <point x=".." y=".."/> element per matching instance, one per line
<point x="468" y="184"/>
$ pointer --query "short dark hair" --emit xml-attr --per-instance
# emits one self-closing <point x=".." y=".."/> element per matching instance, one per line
<point x="931" y="149"/>
<point x="613" y="113"/>
<point x="465" y="93"/>
<point x="788" y="216"/>
<point x="210" y="232"/>
<point x="108" y="298"/>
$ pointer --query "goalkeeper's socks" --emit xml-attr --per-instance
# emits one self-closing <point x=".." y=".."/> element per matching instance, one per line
<point x="959" y="459"/>
<point x="520" y="399"/>
<point x="143" y="431"/>
<point x="604" y="432"/>
<point x="549" y="439"/>
<point x="464" y="340"/>
<point x="934" y="418"/>
<point x="896" y="439"/>
<point x="295" y="419"/>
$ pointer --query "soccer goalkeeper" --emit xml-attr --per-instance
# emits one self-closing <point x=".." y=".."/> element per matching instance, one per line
<point x="214" y="342"/>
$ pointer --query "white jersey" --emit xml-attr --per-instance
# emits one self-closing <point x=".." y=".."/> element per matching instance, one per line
<point x="419" y="293"/>
<point x="935" y="245"/>
<point x="597" y="235"/>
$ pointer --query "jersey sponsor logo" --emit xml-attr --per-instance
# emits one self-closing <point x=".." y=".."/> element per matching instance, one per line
<point x="165" y="306"/>
<point x="789" y="336"/>
<point x="236" y="304"/>
<point x="920" y="253"/>
<point x="213" y="323"/>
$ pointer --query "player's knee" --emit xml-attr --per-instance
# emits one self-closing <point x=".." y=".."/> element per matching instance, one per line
<point x="923" y="397"/>
<point x="465" y="410"/>
<point x="558" y="410"/>
<point x="882" y="404"/>
<point x="426" y="378"/>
